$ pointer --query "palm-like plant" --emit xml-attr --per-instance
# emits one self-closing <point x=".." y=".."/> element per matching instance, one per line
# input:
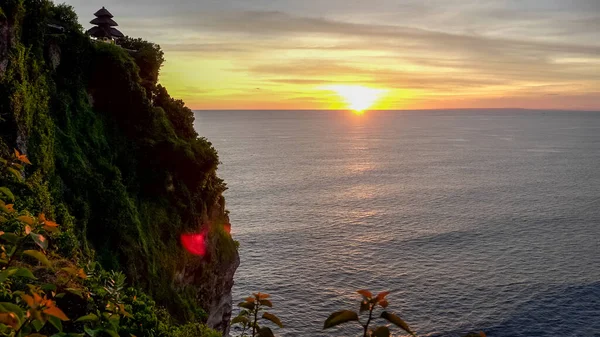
<point x="368" y="305"/>
<point x="249" y="316"/>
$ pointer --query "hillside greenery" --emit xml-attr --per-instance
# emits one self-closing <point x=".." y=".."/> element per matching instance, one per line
<point x="116" y="160"/>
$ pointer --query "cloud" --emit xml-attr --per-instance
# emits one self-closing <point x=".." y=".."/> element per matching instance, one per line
<point x="440" y="46"/>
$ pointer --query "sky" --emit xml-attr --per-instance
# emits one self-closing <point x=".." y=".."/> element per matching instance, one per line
<point x="421" y="54"/>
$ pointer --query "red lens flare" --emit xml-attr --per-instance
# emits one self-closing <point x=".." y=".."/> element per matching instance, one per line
<point x="194" y="243"/>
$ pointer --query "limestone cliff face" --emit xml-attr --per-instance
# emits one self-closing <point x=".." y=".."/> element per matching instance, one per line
<point x="213" y="275"/>
<point x="6" y="36"/>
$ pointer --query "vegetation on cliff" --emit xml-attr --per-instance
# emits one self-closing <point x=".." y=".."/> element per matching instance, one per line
<point x="116" y="160"/>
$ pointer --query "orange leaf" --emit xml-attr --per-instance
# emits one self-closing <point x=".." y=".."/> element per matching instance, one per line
<point x="42" y="217"/>
<point x="262" y="296"/>
<point x="250" y="299"/>
<point x="26" y="219"/>
<point x="22" y="157"/>
<point x="50" y="223"/>
<point x="365" y="293"/>
<point x="383" y="303"/>
<point x="10" y="208"/>
<point x="37" y="298"/>
<point x="29" y="300"/>
<point x="382" y="295"/>
<point x="9" y="318"/>
<point x="56" y="312"/>
<point x="27" y="229"/>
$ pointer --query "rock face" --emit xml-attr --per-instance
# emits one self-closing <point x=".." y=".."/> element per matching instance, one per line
<point x="213" y="275"/>
<point x="219" y="290"/>
<point x="54" y="55"/>
<point x="5" y="40"/>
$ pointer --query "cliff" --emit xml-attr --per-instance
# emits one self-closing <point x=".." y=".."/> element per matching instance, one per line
<point x="117" y="160"/>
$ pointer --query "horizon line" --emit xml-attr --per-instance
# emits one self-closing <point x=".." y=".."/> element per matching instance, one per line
<point x="401" y="110"/>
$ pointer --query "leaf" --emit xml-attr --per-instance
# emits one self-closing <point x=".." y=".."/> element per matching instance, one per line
<point x="8" y="193"/>
<point x="10" y="237"/>
<point x="340" y="317"/>
<point x="39" y="256"/>
<point x="24" y="272"/>
<point x="15" y="173"/>
<point x="21" y="157"/>
<point x="265" y="332"/>
<point x="90" y="331"/>
<point x="10" y="307"/>
<point x="27" y="220"/>
<point x="397" y="321"/>
<point x="247" y="305"/>
<point x="40" y="240"/>
<point x="240" y="319"/>
<point x="56" y="312"/>
<point x="273" y="319"/>
<point x="7" y="208"/>
<point x="37" y="325"/>
<point x="384" y="303"/>
<point x="29" y="300"/>
<point x="87" y="318"/>
<point x="48" y="287"/>
<point x="381" y="296"/>
<point x="10" y="319"/>
<point x="75" y="272"/>
<point x="266" y="303"/>
<point x="76" y="292"/>
<point x="261" y="296"/>
<point x="111" y="333"/>
<point x="365" y="293"/>
<point x="46" y="222"/>
<point x="382" y="331"/>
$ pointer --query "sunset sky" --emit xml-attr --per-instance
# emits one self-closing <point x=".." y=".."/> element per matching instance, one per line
<point x="289" y="54"/>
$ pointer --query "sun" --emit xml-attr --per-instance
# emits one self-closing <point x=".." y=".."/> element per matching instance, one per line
<point x="358" y="98"/>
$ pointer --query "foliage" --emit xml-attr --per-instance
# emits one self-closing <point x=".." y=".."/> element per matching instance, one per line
<point x="368" y="305"/>
<point x="194" y="330"/>
<point x="149" y="58"/>
<point x="248" y="318"/>
<point x="37" y="283"/>
<point x="26" y="305"/>
<point x="180" y="116"/>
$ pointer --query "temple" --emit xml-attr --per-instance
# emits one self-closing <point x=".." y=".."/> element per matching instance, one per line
<point x="104" y="29"/>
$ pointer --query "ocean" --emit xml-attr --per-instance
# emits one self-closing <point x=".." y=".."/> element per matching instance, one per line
<point x="473" y="220"/>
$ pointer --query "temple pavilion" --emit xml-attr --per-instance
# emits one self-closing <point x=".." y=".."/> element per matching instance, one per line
<point x="104" y="29"/>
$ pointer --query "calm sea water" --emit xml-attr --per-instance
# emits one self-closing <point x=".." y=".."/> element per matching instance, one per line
<point x="474" y="220"/>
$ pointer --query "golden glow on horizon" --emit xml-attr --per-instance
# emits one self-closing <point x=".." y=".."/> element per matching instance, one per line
<point x="358" y="98"/>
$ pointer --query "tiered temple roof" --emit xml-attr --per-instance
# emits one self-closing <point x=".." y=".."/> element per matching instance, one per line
<point x="104" y="25"/>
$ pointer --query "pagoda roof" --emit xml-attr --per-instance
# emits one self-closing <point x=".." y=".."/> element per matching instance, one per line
<point x="115" y="32"/>
<point x="100" y="32"/>
<point x="104" y="20"/>
<point x="103" y="12"/>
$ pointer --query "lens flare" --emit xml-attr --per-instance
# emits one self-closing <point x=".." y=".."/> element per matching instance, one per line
<point x="194" y="243"/>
